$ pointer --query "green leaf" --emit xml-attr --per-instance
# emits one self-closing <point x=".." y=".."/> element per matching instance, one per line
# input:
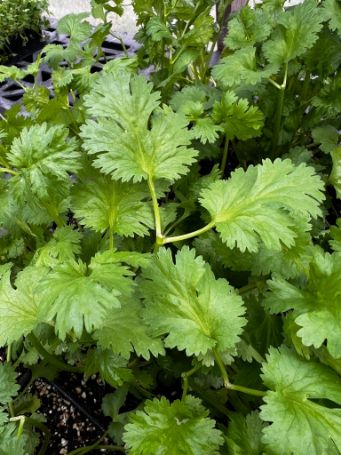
<point x="327" y="136"/>
<point x="62" y="247"/>
<point x="316" y="303"/>
<point x="335" y="232"/>
<point x="112" y="368"/>
<point x="262" y="203"/>
<point x="124" y="331"/>
<point x="178" y="428"/>
<point x="335" y="175"/>
<point x="184" y="301"/>
<point x="8" y="386"/>
<point x="42" y="156"/>
<point x="300" y="422"/>
<point x="101" y="203"/>
<point x="79" y="296"/>
<point x="20" y="308"/>
<point x="205" y="130"/>
<point x="124" y="144"/>
<point x="244" y="434"/>
<point x="10" y="444"/>
<point x="247" y="28"/>
<point x="237" y="118"/>
<point x="332" y="11"/>
<point x="73" y="26"/>
<point x="297" y="31"/>
<point x="241" y="68"/>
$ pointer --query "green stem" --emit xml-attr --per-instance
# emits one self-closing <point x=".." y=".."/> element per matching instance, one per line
<point x="49" y="357"/>
<point x="228" y="385"/>
<point x="247" y="390"/>
<point x="86" y="449"/>
<point x="224" y="159"/>
<point x="279" y="112"/>
<point x="185" y="377"/>
<point x="179" y="238"/>
<point x="8" y="171"/>
<point x="176" y="223"/>
<point x="222" y="369"/>
<point x="111" y="239"/>
<point x="157" y="216"/>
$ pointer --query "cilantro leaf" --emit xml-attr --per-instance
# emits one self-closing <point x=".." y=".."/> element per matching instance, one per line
<point x="244" y="434"/>
<point x="297" y="31"/>
<point x="112" y="368"/>
<point x="299" y="423"/>
<point x="124" y="145"/>
<point x="260" y="203"/>
<point x="79" y="296"/>
<point x="101" y="203"/>
<point x="237" y="117"/>
<point x="20" y="308"/>
<point x="8" y="385"/>
<point x="124" y="331"/>
<point x="181" y="427"/>
<point x="42" y="157"/>
<point x="247" y="28"/>
<point x="332" y="11"/>
<point x="185" y="302"/>
<point x="335" y="175"/>
<point x="327" y="136"/>
<point x="316" y="304"/>
<point x="63" y="246"/>
<point x="241" y="68"/>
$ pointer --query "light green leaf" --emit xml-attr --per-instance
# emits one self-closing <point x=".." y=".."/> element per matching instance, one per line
<point x="241" y="68"/>
<point x="327" y="136"/>
<point x="8" y="385"/>
<point x="178" y="428"/>
<point x="316" y="303"/>
<point x="335" y="176"/>
<point x="73" y="26"/>
<point x="78" y="296"/>
<point x="237" y="118"/>
<point x="244" y="434"/>
<point x="205" y="130"/>
<point x="112" y="368"/>
<point x="300" y="422"/>
<point x="297" y="31"/>
<point x="101" y="203"/>
<point x="20" y="308"/>
<point x="63" y="246"/>
<point x="247" y="28"/>
<point x="184" y="301"/>
<point x="332" y="11"/>
<point x="124" y="331"/>
<point x="124" y="144"/>
<point x="42" y="156"/>
<point x="262" y="204"/>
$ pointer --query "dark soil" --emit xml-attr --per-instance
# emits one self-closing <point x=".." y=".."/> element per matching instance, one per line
<point x="72" y="408"/>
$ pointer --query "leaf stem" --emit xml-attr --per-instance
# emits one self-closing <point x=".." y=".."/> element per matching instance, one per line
<point x="49" y="357"/>
<point x="247" y="390"/>
<point x="185" y="377"/>
<point x="228" y="385"/>
<point x="224" y="158"/>
<point x="179" y="238"/>
<point x="157" y="216"/>
<point x="8" y="171"/>
<point x="279" y="112"/>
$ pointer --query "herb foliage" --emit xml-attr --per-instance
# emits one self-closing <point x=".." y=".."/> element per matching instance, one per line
<point x="178" y="235"/>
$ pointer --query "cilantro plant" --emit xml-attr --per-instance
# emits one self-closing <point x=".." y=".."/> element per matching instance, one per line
<point x="178" y="234"/>
<point x="17" y="19"/>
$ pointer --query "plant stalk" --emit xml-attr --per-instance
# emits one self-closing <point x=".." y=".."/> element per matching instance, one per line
<point x="49" y="357"/>
<point x="185" y="377"/>
<point x="224" y="158"/>
<point x="179" y="238"/>
<point x="279" y="112"/>
<point x="157" y="216"/>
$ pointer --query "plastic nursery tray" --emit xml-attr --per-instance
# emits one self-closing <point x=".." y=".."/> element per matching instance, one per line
<point x="11" y="93"/>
